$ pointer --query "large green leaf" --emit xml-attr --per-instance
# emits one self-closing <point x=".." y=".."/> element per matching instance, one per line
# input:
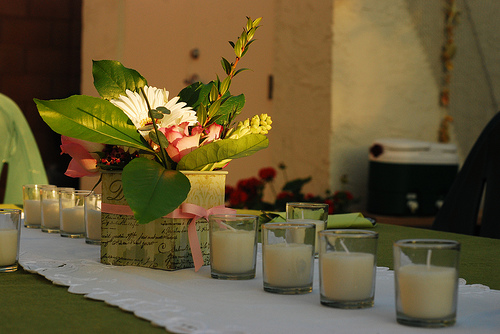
<point x="112" y="79"/>
<point x="151" y="190"/>
<point x="225" y="149"/>
<point x="90" y="118"/>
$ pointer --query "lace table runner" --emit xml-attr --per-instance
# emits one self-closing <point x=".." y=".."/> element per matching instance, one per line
<point x="187" y="302"/>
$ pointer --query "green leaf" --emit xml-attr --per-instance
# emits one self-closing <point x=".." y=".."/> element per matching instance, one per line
<point x="221" y="150"/>
<point x="112" y="79"/>
<point x="151" y="190"/>
<point x="231" y="43"/>
<point x="156" y="114"/>
<point x="224" y="86"/>
<point x="232" y="104"/>
<point x="92" y="119"/>
<point x="190" y="94"/>
<point x="214" y="93"/>
<point x="295" y="186"/>
<point x="237" y="47"/>
<point x="156" y="140"/>
<point x="257" y="21"/>
<point x="226" y="65"/>
<point x="214" y="108"/>
<point x="163" y="110"/>
<point x="249" y="23"/>
<point x="201" y="113"/>
<point x="241" y="70"/>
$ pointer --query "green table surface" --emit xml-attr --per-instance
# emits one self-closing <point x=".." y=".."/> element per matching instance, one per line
<point x="31" y="304"/>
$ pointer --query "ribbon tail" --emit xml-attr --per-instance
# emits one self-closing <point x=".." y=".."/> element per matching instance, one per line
<point x="194" y="244"/>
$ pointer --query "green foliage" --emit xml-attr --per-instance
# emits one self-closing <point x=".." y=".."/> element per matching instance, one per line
<point x="92" y="119"/>
<point x="151" y="190"/>
<point x="112" y="79"/>
<point x="223" y="150"/>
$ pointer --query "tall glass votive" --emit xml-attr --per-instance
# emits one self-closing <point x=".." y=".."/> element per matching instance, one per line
<point x="93" y="219"/>
<point x="72" y="213"/>
<point x="10" y="233"/>
<point x="426" y="280"/>
<point x="347" y="266"/>
<point x="288" y="257"/>
<point x="233" y="246"/>
<point x="31" y="204"/>
<point x="50" y="218"/>
<point x="302" y="212"/>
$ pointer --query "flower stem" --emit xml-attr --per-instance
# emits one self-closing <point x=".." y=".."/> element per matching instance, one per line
<point x="163" y="157"/>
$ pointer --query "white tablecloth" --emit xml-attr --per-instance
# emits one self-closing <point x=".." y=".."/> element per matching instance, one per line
<point x="187" y="302"/>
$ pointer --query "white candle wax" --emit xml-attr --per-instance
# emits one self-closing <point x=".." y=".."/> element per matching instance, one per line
<point x="288" y="265"/>
<point x="347" y="276"/>
<point x="50" y="213"/>
<point x="427" y="292"/>
<point x="8" y="247"/>
<point x="320" y="226"/>
<point x="32" y="215"/>
<point x="232" y="251"/>
<point x="94" y="224"/>
<point x="72" y="220"/>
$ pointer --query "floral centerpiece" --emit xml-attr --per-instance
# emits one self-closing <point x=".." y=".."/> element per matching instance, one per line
<point x="192" y="131"/>
<point x="151" y="138"/>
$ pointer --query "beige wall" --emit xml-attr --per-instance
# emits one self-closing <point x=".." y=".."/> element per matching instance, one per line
<point x="346" y="72"/>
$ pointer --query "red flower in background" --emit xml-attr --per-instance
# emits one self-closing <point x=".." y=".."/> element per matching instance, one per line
<point x="267" y="174"/>
<point x="237" y="198"/>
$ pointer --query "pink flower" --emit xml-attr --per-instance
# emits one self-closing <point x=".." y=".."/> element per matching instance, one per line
<point x="213" y="132"/>
<point x="180" y="141"/>
<point x="83" y="163"/>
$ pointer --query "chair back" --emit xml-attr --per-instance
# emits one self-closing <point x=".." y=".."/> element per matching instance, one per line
<point x="20" y="159"/>
<point x="478" y="181"/>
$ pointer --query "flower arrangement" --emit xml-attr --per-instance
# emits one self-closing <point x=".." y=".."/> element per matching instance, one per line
<point x="248" y="193"/>
<point x="136" y="128"/>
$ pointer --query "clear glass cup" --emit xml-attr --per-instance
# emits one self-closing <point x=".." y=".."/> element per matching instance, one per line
<point x="426" y="281"/>
<point x="50" y="218"/>
<point x="31" y="204"/>
<point x="303" y="212"/>
<point x="93" y="219"/>
<point x="72" y="213"/>
<point x="233" y="246"/>
<point x="10" y="234"/>
<point x="288" y="257"/>
<point x="347" y="266"/>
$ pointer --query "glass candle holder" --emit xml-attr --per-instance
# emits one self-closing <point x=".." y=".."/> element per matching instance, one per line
<point x="288" y="257"/>
<point x="50" y="218"/>
<point x="10" y="233"/>
<point x="426" y="282"/>
<point x="347" y="266"/>
<point x="32" y="204"/>
<point x="233" y="246"/>
<point x="93" y="219"/>
<point x="316" y="213"/>
<point x="72" y="213"/>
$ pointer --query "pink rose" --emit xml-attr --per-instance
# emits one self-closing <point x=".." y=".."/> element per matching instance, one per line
<point x="83" y="163"/>
<point x="180" y="141"/>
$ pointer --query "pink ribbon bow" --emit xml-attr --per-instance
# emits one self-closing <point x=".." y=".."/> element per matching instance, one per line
<point x="185" y="211"/>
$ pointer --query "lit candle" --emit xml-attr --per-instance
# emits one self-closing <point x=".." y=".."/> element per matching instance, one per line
<point x="50" y="213"/>
<point x="94" y="224"/>
<point x="233" y="251"/>
<point x="288" y="264"/>
<point x="347" y="276"/>
<point x="32" y="214"/>
<point x="8" y="246"/>
<point x="427" y="291"/>
<point x="72" y="220"/>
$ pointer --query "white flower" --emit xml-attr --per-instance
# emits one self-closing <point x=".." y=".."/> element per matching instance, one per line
<point x="135" y="107"/>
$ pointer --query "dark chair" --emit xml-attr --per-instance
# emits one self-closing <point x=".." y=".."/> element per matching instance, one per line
<point x="480" y="175"/>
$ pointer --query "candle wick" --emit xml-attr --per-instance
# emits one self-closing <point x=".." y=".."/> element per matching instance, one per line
<point x="344" y="246"/>
<point x="429" y="254"/>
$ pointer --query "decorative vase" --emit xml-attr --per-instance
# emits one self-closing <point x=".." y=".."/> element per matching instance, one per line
<point x="164" y="243"/>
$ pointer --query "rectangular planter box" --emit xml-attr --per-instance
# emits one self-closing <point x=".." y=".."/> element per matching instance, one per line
<point x="163" y="243"/>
